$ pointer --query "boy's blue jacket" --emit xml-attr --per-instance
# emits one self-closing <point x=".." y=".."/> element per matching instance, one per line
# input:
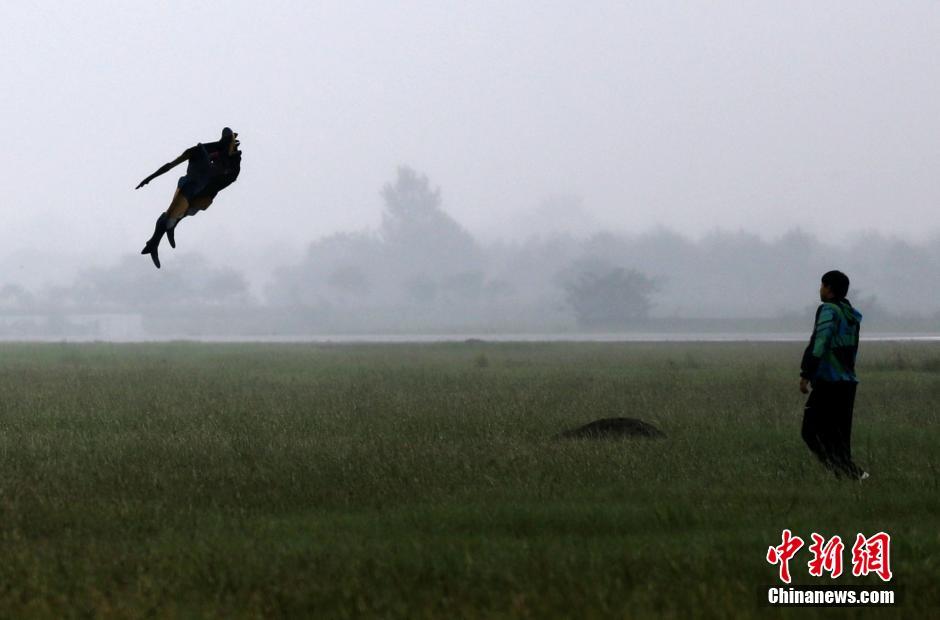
<point x="830" y="354"/>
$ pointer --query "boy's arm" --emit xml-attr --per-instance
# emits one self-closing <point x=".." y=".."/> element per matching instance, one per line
<point x="819" y="342"/>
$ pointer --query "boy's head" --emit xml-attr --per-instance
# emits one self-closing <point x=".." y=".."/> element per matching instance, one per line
<point x="834" y="287"/>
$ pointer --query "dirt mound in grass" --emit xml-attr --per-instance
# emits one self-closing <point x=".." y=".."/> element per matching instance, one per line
<point x="614" y="428"/>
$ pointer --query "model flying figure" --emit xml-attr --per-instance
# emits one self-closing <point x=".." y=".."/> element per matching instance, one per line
<point x="211" y="168"/>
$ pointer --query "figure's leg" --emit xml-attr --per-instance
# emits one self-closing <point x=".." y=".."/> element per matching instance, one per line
<point x="175" y="213"/>
<point x="153" y="243"/>
<point x="178" y="206"/>
<point x="200" y="203"/>
<point x="197" y="204"/>
<point x="164" y="224"/>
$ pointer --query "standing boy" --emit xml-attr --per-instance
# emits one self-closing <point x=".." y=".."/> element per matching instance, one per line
<point x="829" y="368"/>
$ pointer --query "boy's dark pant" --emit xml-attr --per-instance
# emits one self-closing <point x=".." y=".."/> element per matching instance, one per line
<point x="827" y="425"/>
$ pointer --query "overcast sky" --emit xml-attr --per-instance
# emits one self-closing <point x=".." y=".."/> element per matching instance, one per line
<point x="753" y="115"/>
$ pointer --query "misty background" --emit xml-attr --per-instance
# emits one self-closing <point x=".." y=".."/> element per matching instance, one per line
<point x="419" y="167"/>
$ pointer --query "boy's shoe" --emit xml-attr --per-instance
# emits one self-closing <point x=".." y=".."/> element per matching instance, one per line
<point x="864" y="476"/>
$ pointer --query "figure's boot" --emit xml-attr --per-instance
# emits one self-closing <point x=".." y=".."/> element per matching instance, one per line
<point x="154" y="242"/>
<point x="170" y="224"/>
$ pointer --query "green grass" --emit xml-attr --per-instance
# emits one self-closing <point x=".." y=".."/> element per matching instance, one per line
<point x="422" y="480"/>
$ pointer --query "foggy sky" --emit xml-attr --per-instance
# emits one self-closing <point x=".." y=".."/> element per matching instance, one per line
<point x="692" y="116"/>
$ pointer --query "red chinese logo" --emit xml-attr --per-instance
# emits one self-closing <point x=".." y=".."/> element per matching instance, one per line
<point x="872" y="555"/>
<point x="781" y="554"/>
<point x="869" y="555"/>
<point x="826" y="557"/>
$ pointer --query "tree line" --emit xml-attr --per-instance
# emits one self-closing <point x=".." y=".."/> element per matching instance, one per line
<point x="421" y="271"/>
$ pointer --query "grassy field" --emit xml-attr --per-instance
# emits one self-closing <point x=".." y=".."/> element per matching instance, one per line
<point x="423" y="481"/>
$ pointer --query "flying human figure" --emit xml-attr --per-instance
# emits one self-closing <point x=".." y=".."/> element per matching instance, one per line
<point x="211" y="168"/>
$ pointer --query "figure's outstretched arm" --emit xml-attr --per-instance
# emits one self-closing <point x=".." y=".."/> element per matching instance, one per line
<point x="164" y="168"/>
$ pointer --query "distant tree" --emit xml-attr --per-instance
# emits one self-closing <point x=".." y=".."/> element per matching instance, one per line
<point x="416" y="229"/>
<point x="421" y="288"/>
<point x="419" y="255"/>
<point x="350" y="279"/>
<point x="15" y="298"/>
<point x="604" y="296"/>
<point x="869" y="305"/>
<point x="127" y="286"/>
<point x="340" y="267"/>
<point x="219" y="286"/>
<point x="464" y="286"/>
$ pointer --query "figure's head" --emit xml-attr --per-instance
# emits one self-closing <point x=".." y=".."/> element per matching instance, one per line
<point x="229" y="140"/>
<point x="834" y="286"/>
